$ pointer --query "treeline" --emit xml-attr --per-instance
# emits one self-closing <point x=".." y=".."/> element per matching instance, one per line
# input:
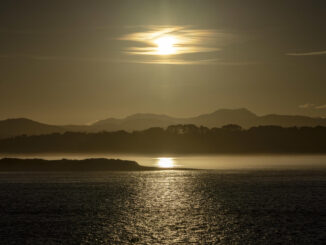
<point x="178" y="139"/>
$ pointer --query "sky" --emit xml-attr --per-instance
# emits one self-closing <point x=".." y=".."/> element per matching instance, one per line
<point x="75" y="62"/>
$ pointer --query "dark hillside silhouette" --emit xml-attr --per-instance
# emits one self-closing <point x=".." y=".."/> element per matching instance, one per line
<point x="178" y="139"/>
<point x="242" y="117"/>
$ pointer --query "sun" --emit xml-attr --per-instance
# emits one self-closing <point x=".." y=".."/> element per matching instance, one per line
<point x="165" y="162"/>
<point x="166" y="45"/>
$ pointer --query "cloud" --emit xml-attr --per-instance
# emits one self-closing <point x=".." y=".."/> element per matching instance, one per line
<point x="306" y="106"/>
<point x="312" y="106"/>
<point x="171" y="61"/>
<point x="186" y="40"/>
<point x="321" y="107"/>
<point x="323" y="52"/>
<point x="176" y="61"/>
<point x="191" y="45"/>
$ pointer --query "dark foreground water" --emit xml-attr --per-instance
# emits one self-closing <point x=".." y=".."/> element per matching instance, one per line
<point x="164" y="207"/>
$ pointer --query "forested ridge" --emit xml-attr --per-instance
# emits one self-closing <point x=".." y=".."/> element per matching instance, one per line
<point x="177" y="139"/>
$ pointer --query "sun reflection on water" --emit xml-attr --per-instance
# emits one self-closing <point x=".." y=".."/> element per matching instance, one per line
<point x="165" y="162"/>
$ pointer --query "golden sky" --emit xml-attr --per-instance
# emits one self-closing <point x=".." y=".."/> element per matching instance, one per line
<point x="79" y="61"/>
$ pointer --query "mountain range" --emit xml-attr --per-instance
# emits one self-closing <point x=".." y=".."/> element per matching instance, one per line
<point x="242" y="117"/>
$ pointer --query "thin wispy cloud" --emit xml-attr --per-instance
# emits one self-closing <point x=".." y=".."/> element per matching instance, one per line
<point x="323" y="52"/>
<point x="312" y="106"/>
<point x="176" y="45"/>
<point x="167" y="42"/>
<point x="172" y="61"/>
<point x="306" y="106"/>
<point x="176" y="61"/>
<point x="321" y="107"/>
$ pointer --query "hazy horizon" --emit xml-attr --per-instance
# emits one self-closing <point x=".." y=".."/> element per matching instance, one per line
<point x="103" y="118"/>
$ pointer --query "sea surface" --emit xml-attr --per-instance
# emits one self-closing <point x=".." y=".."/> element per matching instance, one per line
<point x="235" y="206"/>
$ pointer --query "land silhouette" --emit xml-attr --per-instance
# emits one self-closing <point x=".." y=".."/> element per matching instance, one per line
<point x="99" y="164"/>
<point x="89" y="164"/>
<point x="188" y="138"/>
<point x="241" y="117"/>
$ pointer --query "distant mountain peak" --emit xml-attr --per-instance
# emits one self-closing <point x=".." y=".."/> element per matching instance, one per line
<point x="234" y="111"/>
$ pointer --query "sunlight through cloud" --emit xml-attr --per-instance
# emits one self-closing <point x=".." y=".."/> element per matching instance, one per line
<point x="165" y="162"/>
<point x="165" y="43"/>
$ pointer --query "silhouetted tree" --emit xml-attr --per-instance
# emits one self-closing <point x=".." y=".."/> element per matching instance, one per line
<point x="232" y="127"/>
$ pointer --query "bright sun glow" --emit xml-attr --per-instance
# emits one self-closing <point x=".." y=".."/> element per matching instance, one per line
<point x="165" y="162"/>
<point x="166" y="45"/>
